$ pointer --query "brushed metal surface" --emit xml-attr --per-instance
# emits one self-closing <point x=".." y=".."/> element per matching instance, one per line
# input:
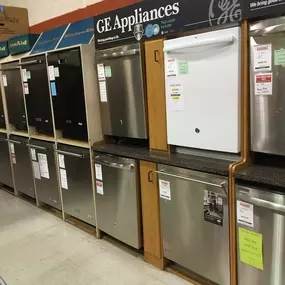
<point x="5" y="165"/>
<point x="124" y="115"/>
<point x="268" y="112"/>
<point x="188" y="239"/>
<point x="23" y="172"/>
<point x="47" y="189"/>
<point x="2" y="114"/>
<point x="118" y="210"/>
<point x="78" y="199"/>
<point x="271" y="224"/>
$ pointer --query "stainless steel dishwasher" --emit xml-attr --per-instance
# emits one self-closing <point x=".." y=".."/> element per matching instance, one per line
<point x="118" y="198"/>
<point x="195" y="222"/>
<point x="45" y="172"/>
<point x="267" y="223"/>
<point x="22" y="167"/>
<point x="76" y="183"/>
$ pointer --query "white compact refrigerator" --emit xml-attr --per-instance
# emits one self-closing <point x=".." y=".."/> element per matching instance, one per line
<point x="203" y="85"/>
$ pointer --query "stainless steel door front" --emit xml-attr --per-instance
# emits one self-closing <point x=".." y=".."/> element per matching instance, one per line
<point x="268" y="111"/>
<point x="118" y="199"/>
<point x="124" y="112"/>
<point x="47" y="188"/>
<point x="22" y="167"/>
<point x="78" y="199"/>
<point x="269" y="221"/>
<point x="5" y="165"/>
<point x="190" y="238"/>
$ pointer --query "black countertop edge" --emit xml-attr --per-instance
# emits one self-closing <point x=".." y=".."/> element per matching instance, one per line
<point x="265" y="175"/>
<point x="198" y="163"/>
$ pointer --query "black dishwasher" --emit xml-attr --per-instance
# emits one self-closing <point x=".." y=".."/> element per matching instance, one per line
<point x="45" y="172"/>
<point x="65" y="71"/>
<point x="12" y="82"/>
<point x="2" y="115"/>
<point x="5" y="165"/>
<point x="22" y="166"/>
<point x="35" y="80"/>
<point x="76" y="183"/>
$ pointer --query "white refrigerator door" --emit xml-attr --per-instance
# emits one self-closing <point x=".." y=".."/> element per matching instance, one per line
<point x="203" y="90"/>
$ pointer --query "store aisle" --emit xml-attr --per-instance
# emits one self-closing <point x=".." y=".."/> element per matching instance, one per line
<point x="36" y="248"/>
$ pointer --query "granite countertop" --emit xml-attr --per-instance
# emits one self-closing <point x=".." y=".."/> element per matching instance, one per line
<point x="273" y="176"/>
<point x="204" y="164"/>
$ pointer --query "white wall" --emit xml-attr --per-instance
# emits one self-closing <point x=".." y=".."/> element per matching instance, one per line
<point x="42" y="10"/>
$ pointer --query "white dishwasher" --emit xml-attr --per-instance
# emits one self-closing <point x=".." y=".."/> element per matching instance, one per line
<point x="203" y="90"/>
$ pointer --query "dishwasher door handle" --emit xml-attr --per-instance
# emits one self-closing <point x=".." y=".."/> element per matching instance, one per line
<point x="262" y="203"/>
<point x="130" y="166"/>
<point x="222" y="185"/>
<point x="37" y="147"/>
<point x="12" y="141"/>
<point x="70" y="153"/>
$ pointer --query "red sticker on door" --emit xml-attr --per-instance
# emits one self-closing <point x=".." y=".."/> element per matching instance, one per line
<point x="263" y="84"/>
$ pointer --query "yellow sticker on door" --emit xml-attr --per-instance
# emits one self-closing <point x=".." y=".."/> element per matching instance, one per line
<point x="250" y="248"/>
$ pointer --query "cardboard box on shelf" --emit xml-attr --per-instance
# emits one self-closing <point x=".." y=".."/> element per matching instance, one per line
<point x="13" y="21"/>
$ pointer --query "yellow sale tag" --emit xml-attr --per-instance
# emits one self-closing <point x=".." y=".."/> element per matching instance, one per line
<point x="250" y="248"/>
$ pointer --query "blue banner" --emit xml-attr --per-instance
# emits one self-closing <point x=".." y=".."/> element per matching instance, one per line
<point x="49" y="40"/>
<point x="4" y="49"/>
<point x="22" y="43"/>
<point x="80" y="32"/>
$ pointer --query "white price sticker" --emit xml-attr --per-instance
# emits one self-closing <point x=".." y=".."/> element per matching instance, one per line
<point x="36" y="168"/>
<point x="43" y="162"/>
<point x="5" y="83"/>
<point x="101" y="72"/>
<point x="12" y="147"/>
<point x="164" y="190"/>
<point x="56" y="72"/>
<point x="103" y="91"/>
<point x="33" y="154"/>
<point x="26" y="88"/>
<point x="98" y="171"/>
<point x="262" y="56"/>
<point x="24" y="75"/>
<point x="61" y="161"/>
<point x="171" y="67"/>
<point x="99" y="187"/>
<point x="51" y="73"/>
<point x="245" y="214"/>
<point x="63" y="179"/>
<point x="264" y="84"/>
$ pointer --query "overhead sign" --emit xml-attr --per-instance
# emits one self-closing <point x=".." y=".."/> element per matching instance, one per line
<point x="49" y="40"/>
<point x="263" y="8"/>
<point x="22" y="43"/>
<point x="81" y="32"/>
<point x="150" y="19"/>
<point x="4" y="49"/>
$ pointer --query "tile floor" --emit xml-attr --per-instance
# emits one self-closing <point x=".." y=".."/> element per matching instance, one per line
<point x="37" y="248"/>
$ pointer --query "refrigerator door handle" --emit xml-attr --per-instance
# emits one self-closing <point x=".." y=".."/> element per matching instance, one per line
<point x="30" y="62"/>
<point x="37" y="147"/>
<point x="223" y="185"/>
<point x="70" y="153"/>
<point x="10" y="68"/>
<point x="119" y="54"/>
<point x="226" y="40"/>
<point x="12" y="141"/>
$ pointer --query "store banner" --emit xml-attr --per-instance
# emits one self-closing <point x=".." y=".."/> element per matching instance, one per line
<point x="49" y="40"/>
<point x="150" y="19"/>
<point x="4" y="49"/>
<point x="263" y="8"/>
<point x="81" y="32"/>
<point x="22" y="43"/>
